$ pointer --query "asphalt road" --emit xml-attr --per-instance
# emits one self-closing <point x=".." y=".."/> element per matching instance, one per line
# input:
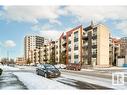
<point x="80" y="84"/>
<point x="100" y="74"/>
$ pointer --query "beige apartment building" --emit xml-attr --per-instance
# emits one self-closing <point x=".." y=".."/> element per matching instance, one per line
<point x="31" y="43"/>
<point x="96" y="46"/>
<point x="44" y="54"/>
<point x="20" y="60"/>
<point x="57" y="51"/>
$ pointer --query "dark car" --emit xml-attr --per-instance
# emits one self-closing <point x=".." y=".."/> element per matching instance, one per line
<point x="48" y="71"/>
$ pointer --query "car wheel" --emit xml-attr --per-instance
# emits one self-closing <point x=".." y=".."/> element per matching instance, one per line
<point x="45" y="75"/>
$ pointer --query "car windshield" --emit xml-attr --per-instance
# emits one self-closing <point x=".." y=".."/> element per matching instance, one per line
<point x="49" y="66"/>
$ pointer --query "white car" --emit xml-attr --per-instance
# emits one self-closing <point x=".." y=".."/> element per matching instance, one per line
<point x="60" y="66"/>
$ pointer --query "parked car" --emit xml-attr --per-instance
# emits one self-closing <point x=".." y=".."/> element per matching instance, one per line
<point x="48" y="71"/>
<point x="1" y="71"/>
<point x="11" y="65"/>
<point x="33" y="64"/>
<point x="73" y="66"/>
<point x="60" y="66"/>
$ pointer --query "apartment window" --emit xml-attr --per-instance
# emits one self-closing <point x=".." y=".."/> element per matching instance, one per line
<point x="69" y="56"/>
<point x="76" y="36"/>
<point x="94" y="42"/>
<point x="76" y="61"/>
<point x="94" y="51"/>
<point x="75" y="56"/>
<point x="69" y="42"/>
<point x="69" y="48"/>
<point x="76" y="46"/>
<point x="95" y="29"/>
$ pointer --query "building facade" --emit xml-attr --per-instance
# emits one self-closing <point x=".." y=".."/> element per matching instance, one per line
<point x="114" y="51"/>
<point x="30" y="44"/>
<point x="96" y="45"/>
<point x="20" y="60"/>
<point x="123" y="46"/>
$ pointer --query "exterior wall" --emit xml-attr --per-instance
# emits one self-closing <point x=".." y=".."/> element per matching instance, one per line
<point x="31" y="43"/>
<point x="71" y="52"/>
<point x="123" y="46"/>
<point x="57" y="51"/>
<point x="20" y="60"/>
<point x="95" y="46"/>
<point x="102" y="46"/>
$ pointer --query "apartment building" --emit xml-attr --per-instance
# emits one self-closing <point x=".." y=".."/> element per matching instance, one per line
<point x="123" y="47"/>
<point x="114" y="51"/>
<point x="88" y="46"/>
<point x="96" y="45"/>
<point x="31" y="43"/>
<point x="20" y="60"/>
<point x="57" y="51"/>
<point x="70" y="46"/>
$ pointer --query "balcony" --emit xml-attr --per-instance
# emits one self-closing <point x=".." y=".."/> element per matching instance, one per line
<point x="76" y="48"/>
<point x="75" y="39"/>
<point x="94" y="46"/>
<point x="85" y="46"/>
<point x="94" y="55"/>
<point x="94" y="37"/>
<point x="45" y="50"/>
<point x="64" y="50"/>
<point x="56" y="46"/>
<point x="64" y="37"/>
<point x="64" y="43"/>
<point x="69" y="49"/>
<point x="84" y="37"/>
<point x="56" y="52"/>
<point x="69" y="42"/>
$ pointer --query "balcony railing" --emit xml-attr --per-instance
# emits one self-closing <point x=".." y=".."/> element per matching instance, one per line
<point x="94" y="46"/>
<point x="84" y="37"/>
<point x="94" y="37"/>
<point x="85" y="46"/>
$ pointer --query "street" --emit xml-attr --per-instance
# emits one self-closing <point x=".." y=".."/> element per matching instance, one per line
<point x="17" y="79"/>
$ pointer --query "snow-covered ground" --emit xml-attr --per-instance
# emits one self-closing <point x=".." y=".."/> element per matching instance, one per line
<point x="5" y="67"/>
<point x="33" y="81"/>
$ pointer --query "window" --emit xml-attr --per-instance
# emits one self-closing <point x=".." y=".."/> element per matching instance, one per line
<point x="94" y="42"/>
<point x="76" y="61"/>
<point x="75" y="56"/>
<point x="75" y="36"/>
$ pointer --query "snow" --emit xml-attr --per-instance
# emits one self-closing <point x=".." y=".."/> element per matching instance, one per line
<point x="33" y="81"/>
<point x="94" y="80"/>
<point x="5" y="67"/>
<point x="87" y="70"/>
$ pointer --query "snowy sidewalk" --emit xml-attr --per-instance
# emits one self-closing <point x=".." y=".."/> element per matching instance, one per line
<point x="35" y="82"/>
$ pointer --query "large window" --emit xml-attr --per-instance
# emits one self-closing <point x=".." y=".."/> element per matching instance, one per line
<point x="75" y="36"/>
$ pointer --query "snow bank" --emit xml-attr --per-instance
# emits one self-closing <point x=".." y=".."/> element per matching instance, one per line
<point x="33" y="81"/>
<point x="5" y="67"/>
